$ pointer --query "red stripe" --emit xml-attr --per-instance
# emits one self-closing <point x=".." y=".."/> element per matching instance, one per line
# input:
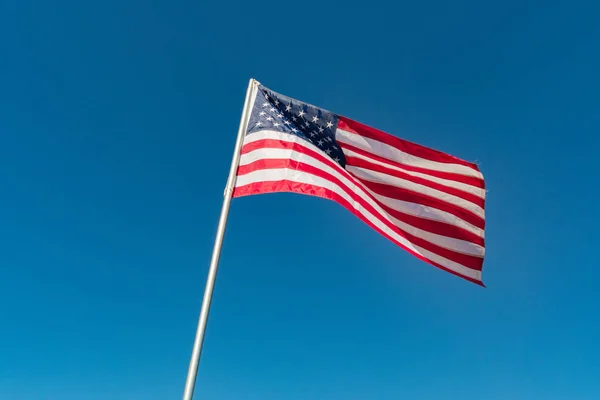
<point x="405" y="146"/>
<point x="469" y="261"/>
<point x="360" y="163"/>
<point x="384" y="190"/>
<point x="288" y="186"/>
<point x="266" y="143"/>
<point x="468" y="180"/>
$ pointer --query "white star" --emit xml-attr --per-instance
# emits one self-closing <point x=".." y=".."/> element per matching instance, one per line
<point x="328" y="151"/>
<point x="269" y="118"/>
<point x="286" y="122"/>
<point x="258" y="123"/>
<point x="294" y="119"/>
<point x="336" y="159"/>
<point x="273" y="109"/>
<point x="294" y="130"/>
<point x="315" y="119"/>
<point x="328" y="139"/>
<point x="279" y="115"/>
<point x="265" y="104"/>
<point x="321" y="129"/>
<point x="320" y="142"/>
<point x="301" y="113"/>
<point x="288" y="108"/>
<point x="276" y="124"/>
<point x="276" y="102"/>
<point x="329" y="124"/>
<point x="261" y="113"/>
<point x="313" y="134"/>
<point x="266" y="96"/>
<point x="307" y="125"/>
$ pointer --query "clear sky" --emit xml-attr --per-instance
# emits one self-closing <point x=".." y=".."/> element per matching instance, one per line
<point x="117" y="123"/>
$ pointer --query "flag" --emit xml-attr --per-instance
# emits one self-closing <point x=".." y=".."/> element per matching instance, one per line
<point x="429" y="203"/>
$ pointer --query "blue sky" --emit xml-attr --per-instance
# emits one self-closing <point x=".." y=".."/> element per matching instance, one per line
<point x="117" y="123"/>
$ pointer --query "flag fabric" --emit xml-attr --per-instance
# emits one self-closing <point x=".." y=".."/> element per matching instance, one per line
<point x="429" y="203"/>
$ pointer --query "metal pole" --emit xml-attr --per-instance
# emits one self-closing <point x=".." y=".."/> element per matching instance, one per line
<point x="214" y="261"/>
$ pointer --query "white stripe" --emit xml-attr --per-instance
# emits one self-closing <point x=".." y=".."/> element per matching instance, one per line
<point x="267" y="134"/>
<point x="386" y="179"/>
<point x="465" y="187"/>
<point x="392" y="153"/>
<point x="275" y="175"/>
<point x="457" y="245"/>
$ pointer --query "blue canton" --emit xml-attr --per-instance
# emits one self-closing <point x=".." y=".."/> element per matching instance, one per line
<point x="273" y="111"/>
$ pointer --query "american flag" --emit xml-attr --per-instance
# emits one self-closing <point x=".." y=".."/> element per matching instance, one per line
<point x="429" y="203"/>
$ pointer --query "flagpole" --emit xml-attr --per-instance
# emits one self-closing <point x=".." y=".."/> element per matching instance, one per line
<point x="214" y="261"/>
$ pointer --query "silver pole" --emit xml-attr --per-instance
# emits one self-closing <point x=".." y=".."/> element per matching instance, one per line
<point x="214" y="261"/>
